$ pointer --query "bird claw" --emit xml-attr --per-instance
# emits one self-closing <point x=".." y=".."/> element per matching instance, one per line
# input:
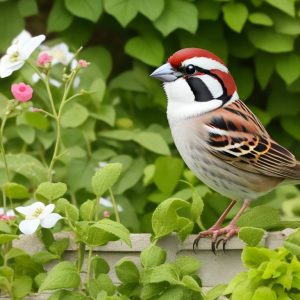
<point x="229" y="231"/>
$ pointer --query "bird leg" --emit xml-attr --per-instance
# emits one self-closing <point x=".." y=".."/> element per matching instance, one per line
<point x="213" y="231"/>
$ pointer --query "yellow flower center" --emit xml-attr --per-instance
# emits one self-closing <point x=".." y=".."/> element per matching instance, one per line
<point x="15" y="56"/>
<point x="37" y="212"/>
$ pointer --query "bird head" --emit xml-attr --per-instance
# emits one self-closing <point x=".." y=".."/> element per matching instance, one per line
<point x="196" y="82"/>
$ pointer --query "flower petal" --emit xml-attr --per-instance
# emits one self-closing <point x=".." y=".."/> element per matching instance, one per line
<point x="7" y="67"/>
<point x="30" y="45"/>
<point x="47" y="210"/>
<point x="22" y="37"/>
<point x="30" y="209"/>
<point x="50" y="220"/>
<point x="29" y="226"/>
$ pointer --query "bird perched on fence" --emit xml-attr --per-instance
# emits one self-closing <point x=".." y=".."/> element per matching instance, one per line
<point x="218" y="136"/>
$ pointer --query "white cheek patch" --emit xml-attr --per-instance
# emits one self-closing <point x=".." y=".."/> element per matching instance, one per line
<point x="182" y="104"/>
<point x="213" y="85"/>
<point x="206" y="63"/>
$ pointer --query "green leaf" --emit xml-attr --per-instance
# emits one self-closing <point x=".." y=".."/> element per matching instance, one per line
<point x="59" y="18"/>
<point x="290" y="125"/>
<point x="264" y="67"/>
<point x="106" y="284"/>
<point x="164" y="218"/>
<point x="6" y="238"/>
<point x="106" y="114"/>
<point x="148" y="49"/>
<point x="153" y="256"/>
<point x="97" y="89"/>
<point x="105" y="178"/>
<point x="167" y="173"/>
<point x="15" y="252"/>
<point x="63" y="275"/>
<point x="37" y="120"/>
<point x="51" y="191"/>
<point x="251" y="236"/>
<point x="26" y="133"/>
<point x="263" y="293"/>
<point x="260" y="216"/>
<point x="215" y="292"/>
<point x="43" y="257"/>
<point x="123" y="10"/>
<point x="235" y="15"/>
<point x="96" y="232"/>
<point x="208" y="10"/>
<point x="270" y="41"/>
<point x="67" y="209"/>
<point x="292" y="243"/>
<point x="152" y="9"/>
<point x="21" y="286"/>
<point x="88" y="9"/>
<point x="87" y="210"/>
<point x="127" y="271"/>
<point x="58" y="247"/>
<point x="153" y="142"/>
<point x="28" y="8"/>
<point x="253" y="257"/>
<point x="177" y="14"/>
<point x="71" y="110"/>
<point x="196" y="206"/>
<point x="165" y="272"/>
<point x="187" y="265"/>
<point x="287" y="6"/>
<point x="190" y="283"/>
<point x="8" y="12"/>
<point x="184" y="227"/>
<point x="288" y="67"/>
<point x="260" y="18"/>
<point x="99" y="266"/>
<point x="27" y="166"/>
<point x="16" y="191"/>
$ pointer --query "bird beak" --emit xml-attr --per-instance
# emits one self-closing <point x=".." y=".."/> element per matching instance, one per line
<point x="165" y="73"/>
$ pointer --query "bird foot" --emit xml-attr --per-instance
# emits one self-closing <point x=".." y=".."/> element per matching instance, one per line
<point x="214" y="232"/>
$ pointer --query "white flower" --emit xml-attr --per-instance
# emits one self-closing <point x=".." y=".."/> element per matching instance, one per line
<point x="9" y="213"/>
<point x="107" y="203"/>
<point x="17" y="53"/>
<point x="59" y="52"/>
<point x="37" y="214"/>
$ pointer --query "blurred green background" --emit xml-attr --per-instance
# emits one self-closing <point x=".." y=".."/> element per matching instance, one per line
<point x="125" y="40"/>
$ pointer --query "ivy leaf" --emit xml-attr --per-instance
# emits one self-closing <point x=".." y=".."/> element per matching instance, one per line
<point x="148" y="49"/>
<point x="63" y="275"/>
<point x="270" y="41"/>
<point x="152" y="9"/>
<point x="287" y="6"/>
<point x="51" y="191"/>
<point x="177" y="14"/>
<point x="251" y="236"/>
<point x="123" y="10"/>
<point x="105" y="178"/>
<point x="235" y="15"/>
<point x="88" y="9"/>
<point x="153" y="142"/>
<point x="164" y="218"/>
<point x="259" y="18"/>
<point x="127" y="271"/>
<point x="288" y="67"/>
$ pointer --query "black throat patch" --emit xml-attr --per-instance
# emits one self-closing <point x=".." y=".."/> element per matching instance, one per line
<point x="199" y="89"/>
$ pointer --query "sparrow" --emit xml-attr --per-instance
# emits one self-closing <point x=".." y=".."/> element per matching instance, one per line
<point x="219" y="137"/>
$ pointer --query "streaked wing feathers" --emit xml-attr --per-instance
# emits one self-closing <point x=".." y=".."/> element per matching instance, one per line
<point x="237" y="136"/>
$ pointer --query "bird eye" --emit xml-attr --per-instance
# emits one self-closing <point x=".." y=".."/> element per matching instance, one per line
<point x="190" y="69"/>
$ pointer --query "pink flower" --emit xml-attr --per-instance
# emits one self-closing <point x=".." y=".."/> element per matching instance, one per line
<point x="21" y="91"/>
<point x="106" y="214"/>
<point x="44" y="60"/>
<point x="83" y="63"/>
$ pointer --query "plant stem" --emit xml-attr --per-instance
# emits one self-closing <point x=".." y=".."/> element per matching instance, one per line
<point x="97" y="207"/>
<point x="89" y="263"/>
<point x="113" y="200"/>
<point x="2" y="146"/>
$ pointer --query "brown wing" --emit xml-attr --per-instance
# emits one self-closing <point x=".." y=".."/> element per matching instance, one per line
<point x="238" y="137"/>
